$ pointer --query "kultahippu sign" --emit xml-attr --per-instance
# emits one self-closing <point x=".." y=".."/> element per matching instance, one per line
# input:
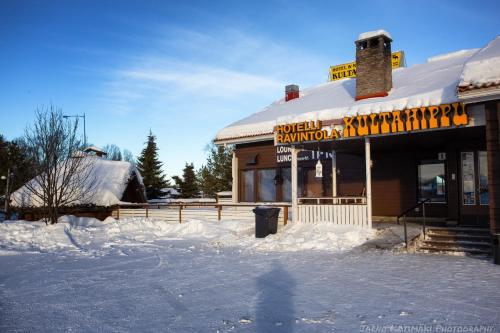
<point x="395" y="122"/>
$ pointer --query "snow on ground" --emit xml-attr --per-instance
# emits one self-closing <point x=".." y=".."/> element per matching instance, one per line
<point x="91" y="236"/>
<point x="151" y="276"/>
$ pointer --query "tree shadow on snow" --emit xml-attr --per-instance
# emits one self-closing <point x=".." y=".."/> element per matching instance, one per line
<point x="275" y="309"/>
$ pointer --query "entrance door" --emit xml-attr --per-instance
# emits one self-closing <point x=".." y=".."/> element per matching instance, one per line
<point x="474" y="188"/>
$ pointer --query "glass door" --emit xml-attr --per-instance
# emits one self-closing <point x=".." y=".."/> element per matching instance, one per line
<point x="474" y="188"/>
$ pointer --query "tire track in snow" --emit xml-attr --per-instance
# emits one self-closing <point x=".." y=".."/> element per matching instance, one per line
<point x="172" y="300"/>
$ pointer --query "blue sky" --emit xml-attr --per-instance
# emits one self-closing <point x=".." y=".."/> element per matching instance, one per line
<point x="185" y="69"/>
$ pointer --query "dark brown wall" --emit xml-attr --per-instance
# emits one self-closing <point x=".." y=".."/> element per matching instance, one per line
<point x="265" y="151"/>
<point x="394" y="184"/>
<point x="350" y="174"/>
<point x="395" y="168"/>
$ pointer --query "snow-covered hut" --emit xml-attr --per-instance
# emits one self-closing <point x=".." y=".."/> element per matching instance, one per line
<point x="113" y="183"/>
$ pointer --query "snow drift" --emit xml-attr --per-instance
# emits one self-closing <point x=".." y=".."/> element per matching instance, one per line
<point x="91" y="236"/>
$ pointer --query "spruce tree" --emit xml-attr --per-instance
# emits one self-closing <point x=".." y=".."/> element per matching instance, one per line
<point x="188" y="184"/>
<point x="14" y="157"/>
<point x="216" y="175"/>
<point x="150" y="168"/>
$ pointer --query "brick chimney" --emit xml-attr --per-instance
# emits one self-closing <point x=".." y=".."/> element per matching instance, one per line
<point x="373" y="64"/>
<point x="291" y="92"/>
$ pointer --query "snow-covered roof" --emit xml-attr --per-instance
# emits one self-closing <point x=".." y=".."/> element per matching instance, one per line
<point x="370" y="34"/>
<point x="432" y="83"/>
<point x="483" y="69"/>
<point x="95" y="149"/>
<point x="111" y="179"/>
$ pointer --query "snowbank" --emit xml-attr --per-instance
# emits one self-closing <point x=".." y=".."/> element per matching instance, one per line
<point x="91" y="236"/>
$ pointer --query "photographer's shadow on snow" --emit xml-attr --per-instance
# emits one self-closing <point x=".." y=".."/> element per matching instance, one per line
<point x="275" y="310"/>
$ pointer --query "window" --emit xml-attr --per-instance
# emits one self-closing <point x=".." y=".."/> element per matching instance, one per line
<point x="247" y="185"/>
<point x="468" y="179"/>
<point x="431" y="181"/>
<point x="286" y="185"/>
<point x="483" y="178"/>
<point x="267" y="186"/>
<point x="252" y="160"/>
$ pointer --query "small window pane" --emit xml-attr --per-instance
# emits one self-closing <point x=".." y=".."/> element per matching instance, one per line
<point x="248" y="186"/>
<point x="468" y="179"/>
<point x="267" y="186"/>
<point x="286" y="186"/>
<point x="431" y="181"/>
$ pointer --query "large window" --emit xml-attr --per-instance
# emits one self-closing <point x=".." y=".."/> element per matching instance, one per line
<point x="267" y="185"/>
<point x="431" y="181"/>
<point x="247" y="186"/>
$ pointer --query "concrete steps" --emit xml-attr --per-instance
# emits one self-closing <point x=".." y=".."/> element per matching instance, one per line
<point x="474" y="241"/>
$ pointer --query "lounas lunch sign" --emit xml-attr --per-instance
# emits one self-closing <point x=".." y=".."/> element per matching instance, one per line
<point x="343" y="71"/>
<point x="399" y="121"/>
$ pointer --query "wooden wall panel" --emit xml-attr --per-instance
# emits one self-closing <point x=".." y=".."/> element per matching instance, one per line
<point x="266" y="155"/>
<point x="395" y="168"/>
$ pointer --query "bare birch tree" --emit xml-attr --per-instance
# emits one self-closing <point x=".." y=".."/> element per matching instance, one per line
<point x="64" y="175"/>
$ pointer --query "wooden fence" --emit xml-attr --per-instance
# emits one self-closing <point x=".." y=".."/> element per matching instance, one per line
<point x="179" y="213"/>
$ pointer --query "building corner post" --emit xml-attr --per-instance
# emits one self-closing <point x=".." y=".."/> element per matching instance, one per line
<point x="234" y="170"/>
<point x="492" y="115"/>
<point x="368" y="166"/>
<point x="295" y="201"/>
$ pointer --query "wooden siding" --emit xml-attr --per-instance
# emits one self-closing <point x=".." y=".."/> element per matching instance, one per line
<point x="394" y="170"/>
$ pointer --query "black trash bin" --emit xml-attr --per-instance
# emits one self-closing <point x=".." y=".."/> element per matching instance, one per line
<point x="496" y="248"/>
<point x="266" y="221"/>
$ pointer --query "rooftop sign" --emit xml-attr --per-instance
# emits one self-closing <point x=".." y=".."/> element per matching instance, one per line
<point x="348" y="70"/>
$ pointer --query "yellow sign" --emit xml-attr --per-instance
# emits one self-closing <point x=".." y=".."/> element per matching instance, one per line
<point x="416" y="119"/>
<point x="303" y="132"/>
<point x="395" y="122"/>
<point x="343" y="71"/>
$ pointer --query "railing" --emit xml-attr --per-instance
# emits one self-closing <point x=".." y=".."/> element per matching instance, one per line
<point x="405" y="213"/>
<point x="346" y="210"/>
<point x="181" y="212"/>
<point x="345" y="200"/>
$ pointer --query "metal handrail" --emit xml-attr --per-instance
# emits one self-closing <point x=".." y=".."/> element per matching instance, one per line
<point x="403" y="215"/>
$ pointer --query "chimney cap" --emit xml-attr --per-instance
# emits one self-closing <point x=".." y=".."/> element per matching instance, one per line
<point x="375" y="33"/>
<point x="291" y="87"/>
